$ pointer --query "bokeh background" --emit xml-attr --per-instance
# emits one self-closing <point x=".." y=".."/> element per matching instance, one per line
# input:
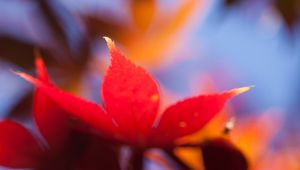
<point x="190" y="46"/>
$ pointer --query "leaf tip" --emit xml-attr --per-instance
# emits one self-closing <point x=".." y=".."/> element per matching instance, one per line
<point x="24" y="76"/>
<point x="18" y="73"/>
<point x="40" y="67"/>
<point x="39" y="63"/>
<point x="241" y="90"/>
<point x="109" y="42"/>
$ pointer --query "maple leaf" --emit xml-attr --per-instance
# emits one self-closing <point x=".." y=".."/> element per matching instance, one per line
<point x="19" y="148"/>
<point x="131" y="100"/>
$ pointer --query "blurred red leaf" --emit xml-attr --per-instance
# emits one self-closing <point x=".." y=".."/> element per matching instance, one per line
<point x="53" y="122"/>
<point x="67" y="145"/>
<point x="18" y="148"/>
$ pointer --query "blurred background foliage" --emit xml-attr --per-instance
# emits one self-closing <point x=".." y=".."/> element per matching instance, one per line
<point x="288" y="10"/>
<point x="190" y="46"/>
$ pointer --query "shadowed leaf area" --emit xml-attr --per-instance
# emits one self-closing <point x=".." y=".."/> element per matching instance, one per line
<point x="81" y="151"/>
<point x="220" y="154"/>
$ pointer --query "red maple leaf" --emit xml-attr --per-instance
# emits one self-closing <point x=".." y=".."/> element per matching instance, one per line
<point x="67" y="145"/>
<point x="131" y="101"/>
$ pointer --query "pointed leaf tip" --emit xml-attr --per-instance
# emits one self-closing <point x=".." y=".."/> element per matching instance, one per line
<point x="25" y="76"/>
<point x="109" y="42"/>
<point x="41" y="69"/>
<point x="39" y="62"/>
<point x="240" y="90"/>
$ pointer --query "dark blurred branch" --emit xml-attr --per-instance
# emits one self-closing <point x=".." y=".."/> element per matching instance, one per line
<point x="60" y="22"/>
<point x="53" y="21"/>
<point x="101" y="26"/>
<point x="136" y="160"/>
<point x="290" y="12"/>
<point x="16" y="51"/>
<point x="231" y="2"/>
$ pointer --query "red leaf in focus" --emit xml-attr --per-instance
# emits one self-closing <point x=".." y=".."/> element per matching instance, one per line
<point x="130" y="95"/>
<point x="18" y="148"/>
<point x="131" y="99"/>
<point x="190" y="115"/>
